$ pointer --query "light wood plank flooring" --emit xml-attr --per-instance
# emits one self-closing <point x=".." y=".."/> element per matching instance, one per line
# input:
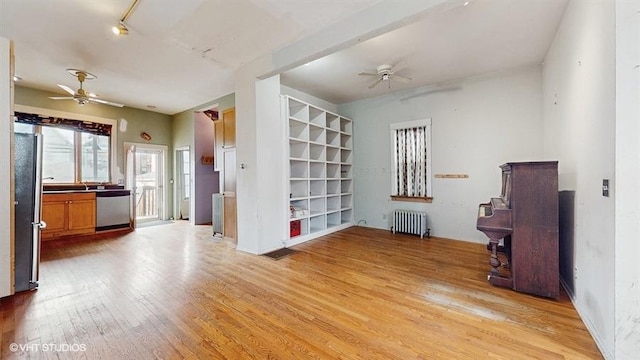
<point x="173" y="291"/>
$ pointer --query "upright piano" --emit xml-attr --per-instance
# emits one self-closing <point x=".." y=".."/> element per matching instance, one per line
<point x="522" y="227"/>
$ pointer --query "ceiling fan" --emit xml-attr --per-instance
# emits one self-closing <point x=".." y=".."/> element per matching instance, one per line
<point x="81" y="96"/>
<point x="387" y="72"/>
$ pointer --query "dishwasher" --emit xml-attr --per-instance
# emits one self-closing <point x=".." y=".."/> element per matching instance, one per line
<point x="113" y="209"/>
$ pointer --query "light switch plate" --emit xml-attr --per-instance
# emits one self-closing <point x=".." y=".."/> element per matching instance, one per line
<point x="605" y="187"/>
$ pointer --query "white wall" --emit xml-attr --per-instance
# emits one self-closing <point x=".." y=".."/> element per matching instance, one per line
<point x="261" y="165"/>
<point x="477" y="125"/>
<point x="323" y="104"/>
<point x="579" y="131"/>
<point x="6" y="194"/>
<point x="627" y="184"/>
<point x="206" y="181"/>
<point x="253" y="214"/>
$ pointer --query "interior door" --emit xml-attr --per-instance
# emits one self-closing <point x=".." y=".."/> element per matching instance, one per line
<point x="183" y="183"/>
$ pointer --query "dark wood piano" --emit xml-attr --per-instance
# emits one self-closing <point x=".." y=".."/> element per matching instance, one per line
<point x="522" y="227"/>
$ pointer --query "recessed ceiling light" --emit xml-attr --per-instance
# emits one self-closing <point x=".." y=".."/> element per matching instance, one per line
<point x="16" y="78"/>
<point x="467" y="3"/>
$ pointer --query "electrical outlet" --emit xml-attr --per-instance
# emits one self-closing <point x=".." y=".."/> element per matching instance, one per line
<point x="384" y="216"/>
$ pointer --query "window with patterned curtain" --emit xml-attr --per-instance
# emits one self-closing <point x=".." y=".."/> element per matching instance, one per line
<point x="411" y="159"/>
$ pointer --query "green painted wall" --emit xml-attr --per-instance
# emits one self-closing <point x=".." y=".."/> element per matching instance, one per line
<point x="159" y="126"/>
<point x="184" y="124"/>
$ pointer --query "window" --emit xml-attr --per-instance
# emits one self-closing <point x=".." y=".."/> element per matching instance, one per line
<point x="60" y="147"/>
<point x="186" y="181"/>
<point x="411" y="160"/>
<point x="73" y="150"/>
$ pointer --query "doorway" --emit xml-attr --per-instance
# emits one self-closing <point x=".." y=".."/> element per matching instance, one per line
<point x="146" y="172"/>
<point x="183" y="183"/>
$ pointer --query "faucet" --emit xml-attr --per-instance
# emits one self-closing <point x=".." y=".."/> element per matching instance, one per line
<point x="86" y="187"/>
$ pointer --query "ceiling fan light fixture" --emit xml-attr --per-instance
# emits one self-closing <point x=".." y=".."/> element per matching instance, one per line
<point x="120" y="29"/>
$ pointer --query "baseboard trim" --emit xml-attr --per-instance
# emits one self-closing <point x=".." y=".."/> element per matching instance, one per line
<point x="587" y="322"/>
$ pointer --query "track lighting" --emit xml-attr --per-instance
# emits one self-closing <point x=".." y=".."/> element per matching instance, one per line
<point x="121" y="28"/>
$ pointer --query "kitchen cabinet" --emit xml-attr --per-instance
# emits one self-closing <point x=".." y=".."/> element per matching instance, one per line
<point x="68" y="214"/>
<point x="225" y="136"/>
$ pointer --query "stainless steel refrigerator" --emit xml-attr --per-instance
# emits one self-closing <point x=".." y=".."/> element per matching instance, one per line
<point x="28" y="209"/>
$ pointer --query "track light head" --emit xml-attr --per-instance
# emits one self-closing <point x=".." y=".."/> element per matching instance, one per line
<point x="120" y="29"/>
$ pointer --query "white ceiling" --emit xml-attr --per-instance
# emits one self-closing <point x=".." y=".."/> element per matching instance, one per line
<point x="181" y="54"/>
<point x="442" y="47"/>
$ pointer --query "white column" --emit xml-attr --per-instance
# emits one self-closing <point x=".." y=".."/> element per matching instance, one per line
<point x="6" y="177"/>
<point x="627" y="183"/>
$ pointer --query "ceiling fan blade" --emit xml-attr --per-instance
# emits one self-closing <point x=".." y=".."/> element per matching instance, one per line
<point x="105" y="102"/>
<point x="398" y="67"/>
<point x="401" y="78"/>
<point x="375" y="83"/>
<point x="67" y="89"/>
<point x="368" y="74"/>
<point x="61" y="97"/>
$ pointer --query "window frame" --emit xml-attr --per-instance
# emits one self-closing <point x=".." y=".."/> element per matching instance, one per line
<point x="406" y="125"/>
<point x="113" y="152"/>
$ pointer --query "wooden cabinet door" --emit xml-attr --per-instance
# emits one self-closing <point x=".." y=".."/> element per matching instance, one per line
<point x="218" y="131"/>
<point x="229" y="188"/>
<point x="82" y="214"/>
<point x="54" y="214"/>
<point x="229" y="131"/>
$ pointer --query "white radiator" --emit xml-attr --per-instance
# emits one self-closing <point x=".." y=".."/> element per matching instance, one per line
<point x="410" y="222"/>
<point x="217" y="211"/>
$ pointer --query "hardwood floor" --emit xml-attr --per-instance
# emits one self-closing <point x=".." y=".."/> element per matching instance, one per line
<point x="173" y="291"/>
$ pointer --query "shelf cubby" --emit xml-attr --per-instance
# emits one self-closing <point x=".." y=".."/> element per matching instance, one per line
<point x="320" y="169"/>
<point x="298" y="169"/>
<point x="333" y="121"/>
<point x="316" y="152"/>
<point x="298" y="149"/>
<point x="333" y="187"/>
<point x="345" y="156"/>
<point x="333" y="154"/>
<point x="298" y="130"/>
<point x="298" y="110"/>
<point x="317" y="187"/>
<point x="300" y="204"/>
<point x="346" y="216"/>
<point x="345" y="125"/>
<point x="346" y="201"/>
<point x="345" y="141"/>
<point x="318" y="223"/>
<point x="304" y="226"/>
<point x="346" y="186"/>
<point x="333" y="203"/>
<point x="317" y="116"/>
<point x="316" y="206"/>
<point x="316" y="134"/>
<point x="333" y="171"/>
<point x="298" y="188"/>
<point x="345" y="171"/>
<point x="317" y="170"/>
<point x="333" y="219"/>
<point x="333" y="138"/>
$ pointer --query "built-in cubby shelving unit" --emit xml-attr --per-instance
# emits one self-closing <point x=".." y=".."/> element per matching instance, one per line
<point x="320" y="169"/>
